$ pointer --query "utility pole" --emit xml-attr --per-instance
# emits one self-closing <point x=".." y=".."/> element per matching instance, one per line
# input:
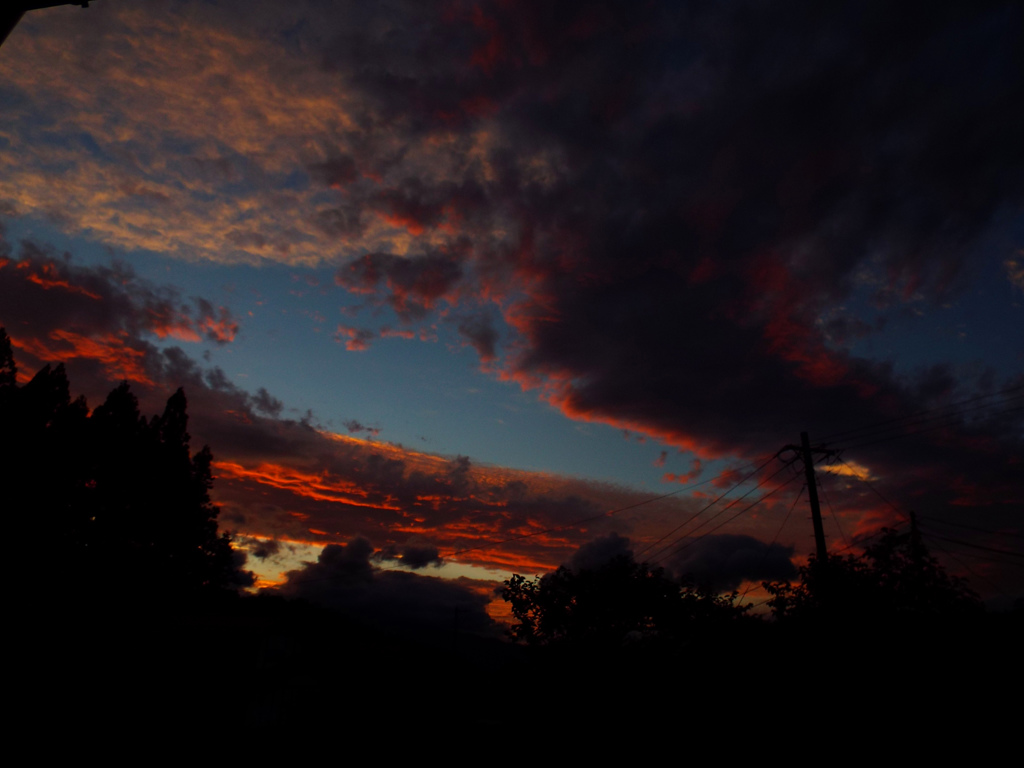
<point x="812" y="492"/>
<point x="806" y="453"/>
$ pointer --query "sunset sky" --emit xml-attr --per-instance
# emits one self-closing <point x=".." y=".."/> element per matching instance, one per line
<point x="439" y="275"/>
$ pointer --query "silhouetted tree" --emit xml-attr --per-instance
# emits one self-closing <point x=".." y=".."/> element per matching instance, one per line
<point x="117" y="502"/>
<point x="895" y="579"/>
<point x="913" y="581"/>
<point x="619" y="602"/>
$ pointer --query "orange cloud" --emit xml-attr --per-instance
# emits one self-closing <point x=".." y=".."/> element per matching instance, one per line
<point x="148" y="96"/>
<point x="387" y="333"/>
<point x="315" y="486"/>
<point x="47" y="278"/>
<point x="849" y="468"/>
<point x="404" y="221"/>
<point x="357" y="339"/>
<point x="180" y="328"/>
<point x="507" y="519"/>
<point x="120" y="360"/>
<point x="217" y="325"/>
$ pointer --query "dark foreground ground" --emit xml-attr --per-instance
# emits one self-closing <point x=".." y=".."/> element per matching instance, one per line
<point x="278" y="671"/>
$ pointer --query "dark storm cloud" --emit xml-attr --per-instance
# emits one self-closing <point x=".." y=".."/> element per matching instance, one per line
<point x="596" y="553"/>
<point x="411" y="555"/>
<point x="408" y="59"/>
<point x="686" y="190"/>
<point x="715" y="236"/>
<point x="420" y="557"/>
<point x="265" y="548"/>
<point x="344" y="578"/>
<point x="690" y="192"/>
<point x="720" y="562"/>
<point x="689" y="195"/>
<point x="412" y="285"/>
<point x="724" y="561"/>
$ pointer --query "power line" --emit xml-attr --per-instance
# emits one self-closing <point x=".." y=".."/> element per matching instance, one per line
<point x="691" y="542"/>
<point x="917" y="420"/>
<point x="925" y="412"/>
<point x="872" y="487"/>
<point x="934" y="535"/>
<point x="693" y="517"/>
<point x="926" y="430"/>
<point x="963" y="543"/>
<point x="971" y="527"/>
<point x="832" y="512"/>
<point x="775" y="538"/>
<point x="989" y="558"/>
<point x="708" y="506"/>
<point x="576" y="523"/>
<point x="941" y="548"/>
<point x="661" y="554"/>
<point x="970" y="570"/>
<point x="862" y="540"/>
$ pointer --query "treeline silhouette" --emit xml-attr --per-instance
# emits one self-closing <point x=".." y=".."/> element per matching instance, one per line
<point x="886" y="635"/>
<point x="896" y="581"/>
<point x="619" y="603"/>
<point x="108" y="506"/>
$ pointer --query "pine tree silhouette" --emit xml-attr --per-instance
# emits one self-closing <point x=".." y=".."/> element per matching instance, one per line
<point x="119" y="504"/>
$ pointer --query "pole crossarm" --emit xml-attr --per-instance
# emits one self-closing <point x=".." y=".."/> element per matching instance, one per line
<point x="817" y="450"/>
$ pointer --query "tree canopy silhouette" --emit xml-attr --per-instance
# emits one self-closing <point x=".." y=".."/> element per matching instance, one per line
<point x="117" y="500"/>
<point x="895" y="579"/>
<point x="610" y="605"/>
